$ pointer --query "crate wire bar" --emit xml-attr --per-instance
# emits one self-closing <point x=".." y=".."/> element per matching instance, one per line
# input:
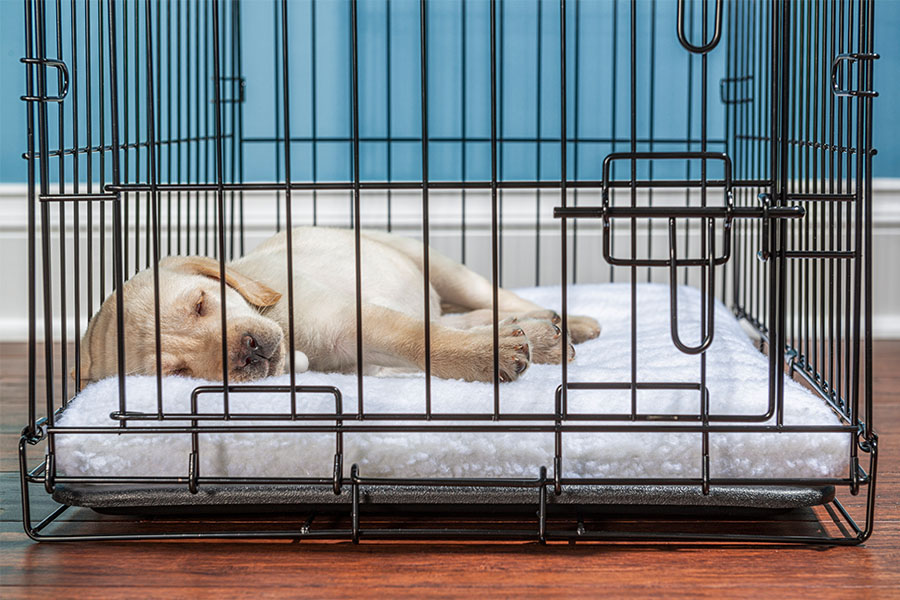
<point x="784" y="230"/>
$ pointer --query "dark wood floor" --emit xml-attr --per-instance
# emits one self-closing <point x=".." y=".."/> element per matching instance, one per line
<point x="252" y="569"/>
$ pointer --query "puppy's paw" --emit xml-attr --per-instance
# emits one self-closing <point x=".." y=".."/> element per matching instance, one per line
<point x="582" y="329"/>
<point x="546" y="342"/>
<point x="514" y="351"/>
<point x="469" y="354"/>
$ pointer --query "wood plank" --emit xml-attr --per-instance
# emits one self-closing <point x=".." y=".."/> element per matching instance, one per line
<point x="521" y="590"/>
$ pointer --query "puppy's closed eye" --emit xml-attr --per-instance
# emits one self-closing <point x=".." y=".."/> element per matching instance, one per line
<point x="180" y="372"/>
<point x="200" y="305"/>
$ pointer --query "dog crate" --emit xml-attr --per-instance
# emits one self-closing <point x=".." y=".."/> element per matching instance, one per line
<point x="722" y="145"/>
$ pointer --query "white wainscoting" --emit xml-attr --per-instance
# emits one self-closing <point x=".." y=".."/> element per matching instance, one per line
<point x="519" y="245"/>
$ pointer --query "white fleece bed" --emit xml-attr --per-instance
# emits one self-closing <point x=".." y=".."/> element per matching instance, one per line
<point x="737" y="380"/>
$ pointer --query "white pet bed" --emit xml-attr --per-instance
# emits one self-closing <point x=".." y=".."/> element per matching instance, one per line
<point x="737" y="380"/>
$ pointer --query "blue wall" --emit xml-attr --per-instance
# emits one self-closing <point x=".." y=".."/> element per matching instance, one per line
<point x="887" y="82"/>
<point x="595" y="98"/>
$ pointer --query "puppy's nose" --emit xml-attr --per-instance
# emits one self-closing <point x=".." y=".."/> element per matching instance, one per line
<point x="252" y="350"/>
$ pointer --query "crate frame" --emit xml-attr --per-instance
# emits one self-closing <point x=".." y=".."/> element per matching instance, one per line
<point x="773" y="204"/>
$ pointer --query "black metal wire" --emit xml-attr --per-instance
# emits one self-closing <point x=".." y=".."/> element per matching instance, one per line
<point x="286" y="115"/>
<point x="388" y="86"/>
<point x="495" y="233"/>
<point x="564" y="241"/>
<point x="220" y="198"/>
<point x="426" y="262"/>
<point x="357" y="221"/>
<point x="538" y="113"/>
<point x="153" y="204"/>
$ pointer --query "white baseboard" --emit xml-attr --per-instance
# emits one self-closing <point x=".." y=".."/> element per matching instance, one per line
<point x="518" y="244"/>
<point x="886" y="327"/>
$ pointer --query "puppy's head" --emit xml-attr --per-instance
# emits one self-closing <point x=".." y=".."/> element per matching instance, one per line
<point x="190" y="326"/>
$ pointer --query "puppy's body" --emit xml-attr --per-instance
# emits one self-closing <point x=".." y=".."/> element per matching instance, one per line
<point x="325" y="314"/>
<point x="324" y="271"/>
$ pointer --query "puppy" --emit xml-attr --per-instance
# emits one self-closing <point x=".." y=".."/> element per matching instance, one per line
<point x="324" y="310"/>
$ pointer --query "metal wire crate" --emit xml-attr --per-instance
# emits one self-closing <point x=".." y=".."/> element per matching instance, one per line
<point x="142" y="152"/>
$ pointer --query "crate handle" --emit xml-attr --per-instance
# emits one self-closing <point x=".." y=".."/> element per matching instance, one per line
<point x="717" y="32"/>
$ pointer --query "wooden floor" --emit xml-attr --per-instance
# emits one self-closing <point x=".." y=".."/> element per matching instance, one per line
<point x="252" y="569"/>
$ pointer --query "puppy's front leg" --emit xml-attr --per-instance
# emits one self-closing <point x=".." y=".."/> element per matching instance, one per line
<point x="389" y="335"/>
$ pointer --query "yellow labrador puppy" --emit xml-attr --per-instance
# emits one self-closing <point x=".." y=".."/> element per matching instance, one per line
<point x="393" y="313"/>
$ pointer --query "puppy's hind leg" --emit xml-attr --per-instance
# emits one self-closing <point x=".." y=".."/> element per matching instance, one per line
<point x="457" y="285"/>
<point x="462" y="287"/>
<point x="466" y="292"/>
<point x="391" y="338"/>
<point x="462" y="290"/>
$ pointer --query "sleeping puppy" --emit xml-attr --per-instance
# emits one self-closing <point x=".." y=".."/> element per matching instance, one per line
<point x="393" y="315"/>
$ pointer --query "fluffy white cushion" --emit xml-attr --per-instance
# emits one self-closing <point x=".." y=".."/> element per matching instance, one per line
<point x="737" y="379"/>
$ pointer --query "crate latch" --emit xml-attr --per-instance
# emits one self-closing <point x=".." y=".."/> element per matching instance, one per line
<point x="764" y="252"/>
<point x="835" y="66"/>
<point x="736" y="90"/>
<point x="224" y="82"/>
<point x="709" y="326"/>
<point x="710" y="215"/>
<point x="64" y="72"/>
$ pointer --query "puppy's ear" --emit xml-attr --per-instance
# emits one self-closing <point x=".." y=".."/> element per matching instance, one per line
<point x="254" y="292"/>
<point x="84" y="380"/>
<point x="95" y="361"/>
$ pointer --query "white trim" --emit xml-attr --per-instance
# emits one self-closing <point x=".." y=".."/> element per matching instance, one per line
<point x="886" y="327"/>
<point x="16" y="330"/>
<point x="886" y="203"/>
<point x="406" y="209"/>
